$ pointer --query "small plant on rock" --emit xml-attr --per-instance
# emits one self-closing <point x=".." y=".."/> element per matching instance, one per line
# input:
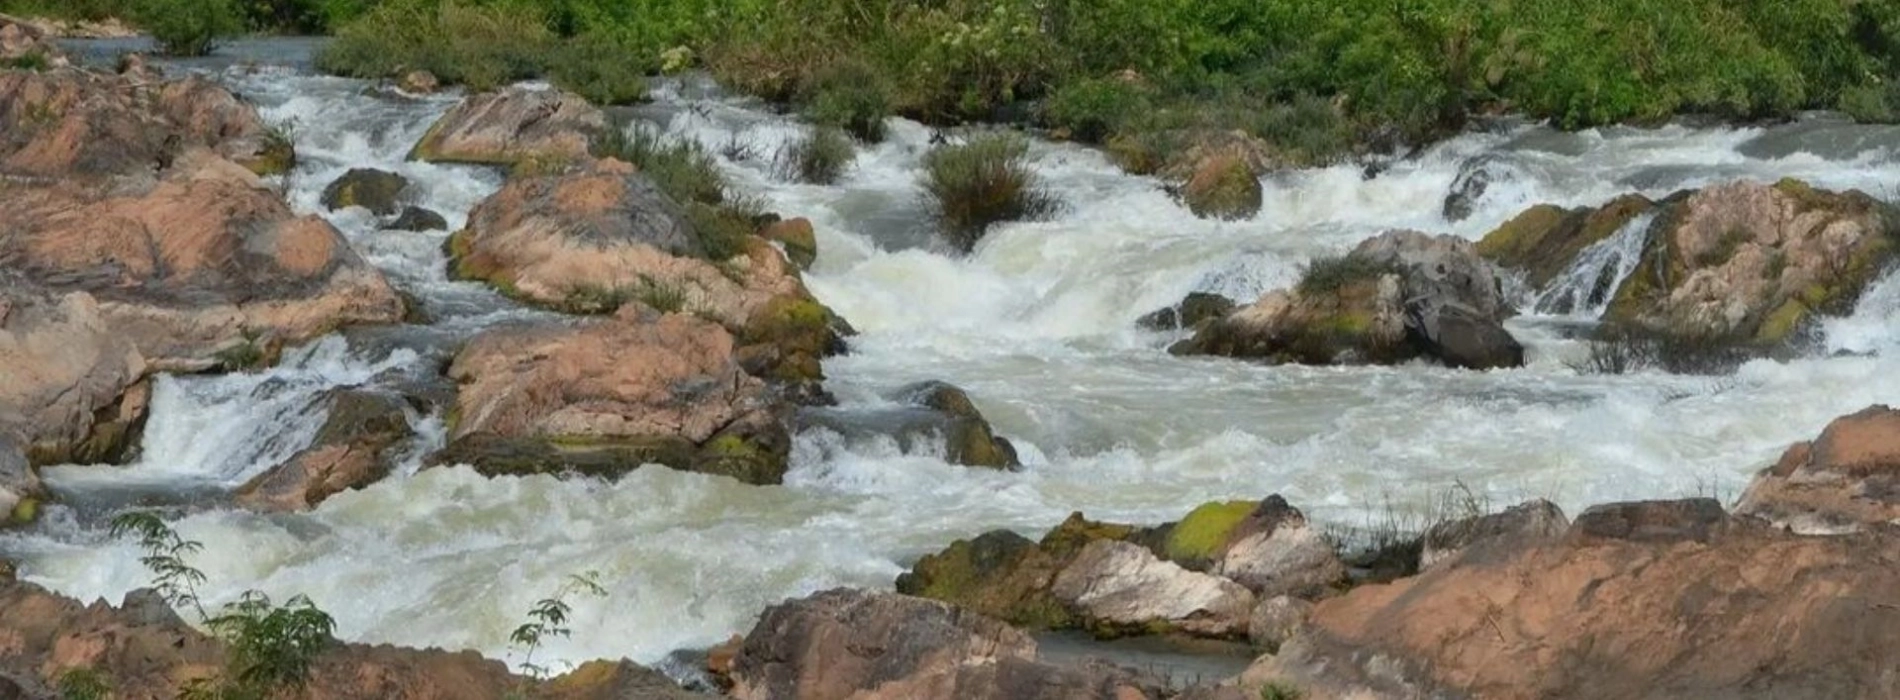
<point x="1326" y="275"/>
<point x="548" y="618"/>
<point x="973" y="186"/>
<point x="819" y="158"/>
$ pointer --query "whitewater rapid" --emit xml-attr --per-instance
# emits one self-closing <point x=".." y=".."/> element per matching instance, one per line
<point x="1037" y="323"/>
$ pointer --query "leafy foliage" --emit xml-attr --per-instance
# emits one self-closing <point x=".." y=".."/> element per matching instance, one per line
<point x="165" y="551"/>
<point x="853" y="96"/>
<point x="548" y="618"/>
<point x="188" y="27"/>
<point x="972" y="186"/>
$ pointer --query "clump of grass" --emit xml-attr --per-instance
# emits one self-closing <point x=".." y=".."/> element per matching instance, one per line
<point x="973" y="186"/>
<point x="723" y="228"/>
<point x="680" y="167"/>
<point x="1328" y="275"/>
<point x="1094" y="109"/>
<point x="31" y="61"/>
<point x="1277" y="690"/>
<point x="595" y="299"/>
<point x="83" y="683"/>
<point x="853" y="96"/>
<point x="1622" y="348"/>
<point x="188" y="27"/>
<point x="819" y="158"/>
<point x="476" y="46"/>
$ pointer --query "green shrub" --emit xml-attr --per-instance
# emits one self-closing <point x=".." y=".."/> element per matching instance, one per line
<point x="32" y="60"/>
<point x="972" y="186"/>
<point x="853" y="96"/>
<point x="680" y="167"/>
<point x="1094" y="109"/>
<point x="819" y="157"/>
<point x="188" y="27"/>
<point x="479" y="47"/>
<point x="83" y="683"/>
<point x="595" y="66"/>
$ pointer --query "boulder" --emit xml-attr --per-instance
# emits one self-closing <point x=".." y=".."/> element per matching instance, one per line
<point x="796" y="237"/>
<point x="418" y="82"/>
<point x="1493" y="534"/>
<point x="203" y="268"/>
<point x="1475" y="177"/>
<point x="1275" y="620"/>
<point x="512" y="125"/>
<point x="358" y="445"/>
<point x="379" y="191"/>
<point x="417" y="219"/>
<point x="600" y="235"/>
<point x="854" y="644"/>
<point x="1122" y="586"/>
<point x="968" y="438"/>
<point x="1846" y="480"/>
<point x="73" y="391"/>
<point x="1005" y="575"/>
<point x="142" y="650"/>
<point x="1266" y="546"/>
<point x="1670" y="599"/>
<point x="604" y="396"/>
<point x="1223" y="187"/>
<point x="1194" y="311"/>
<point x="71" y="124"/>
<point x="1395" y="297"/>
<point x="1545" y="239"/>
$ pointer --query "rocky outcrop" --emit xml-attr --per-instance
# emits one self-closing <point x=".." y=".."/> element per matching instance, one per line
<point x="1658" y="599"/>
<point x="358" y="445"/>
<point x="203" y="268"/>
<point x="512" y="125"/>
<point x="1223" y="187"/>
<point x="1122" y="586"/>
<point x="417" y="219"/>
<point x="853" y="644"/>
<point x="379" y="191"/>
<point x="72" y="389"/>
<point x="1542" y="241"/>
<point x="605" y="396"/>
<point x="26" y="45"/>
<point x="1847" y="480"/>
<point x="1226" y="555"/>
<point x="593" y="238"/>
<point x="72" y="123"/>
<point x="1514" y="529"/>
<point x="141" y="650"/>
<point x="1197" y="309"/>
<point x="1395" y="297"/>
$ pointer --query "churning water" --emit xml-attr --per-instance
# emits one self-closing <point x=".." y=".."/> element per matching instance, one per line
<point x="1037" y="323"/>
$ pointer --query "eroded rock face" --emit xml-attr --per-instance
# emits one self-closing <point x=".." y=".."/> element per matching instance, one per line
<point x="512" y="125"/>
<point x="143" y="651"/>
<point x="1660" y="599"/>
<point x="71" y="123"/>
<point x="601" y="235"/>
<point x="67" y="375"/>
<point x="1847" y="480"/>
<point x="203" y="268"/>
<point x="1119" y="585"/>
<point x="358" y="445"/>
<point x="854" y="644"/>
<point x="605" y="396"/>
<point x="1542" y="241"/>
<point x="1397" y="296"/>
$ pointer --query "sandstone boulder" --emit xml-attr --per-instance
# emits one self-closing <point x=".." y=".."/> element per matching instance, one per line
<point x="598" y="236"/>
<point x="1223" y="187"/>
<point x="512" y="125"/>
<point x="605" y="396"/>
<point x="1846" y="480"/>
<point x="201" y="269"/>
<point x="78" y="124"/>
<point x="1664" y="599"/>
<point x="379" y="191"/>
<point x="853" y="644"/>
<point x="419" y="82"/>
<point x="1395" y="297"/>
<point x="1266" y="546"/>
<point x="1503" y="533"/>
<point x="1122" y="586"/>
<point x="70" y="384"/>
<point x="358" y="445"/>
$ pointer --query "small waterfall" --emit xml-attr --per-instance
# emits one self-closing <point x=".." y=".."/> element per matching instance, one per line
<point x="1585" y="288"/>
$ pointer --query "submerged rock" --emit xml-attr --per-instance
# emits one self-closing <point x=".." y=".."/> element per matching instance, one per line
<point x="968" y="438"/>
<point x="417" y="219"/>
<point x="512" y="125"/>
<point x="843" y="643"/>
<point x="1475" y="177"/>
<point x="357" y="446"/>
<point x="605" y="396"/>
<point x="1397" y="296"/>
<point x="1194" y="311"/>
<point x="1665" y="599"/>
<point x="1846" y="480"/>
<point x="379" y="191"/>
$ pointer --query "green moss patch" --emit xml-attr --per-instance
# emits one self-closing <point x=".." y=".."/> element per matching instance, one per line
<point x="1204" y="532"/>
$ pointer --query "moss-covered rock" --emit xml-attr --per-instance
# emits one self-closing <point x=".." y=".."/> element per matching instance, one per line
<point x="379" y="191"/>
<point x="968" y="438"/>
<point x="1206" y="530"/>
<point x="1545" y="239"/>
<point x="1223" y="187"/>
<point x="1197" y="309"/>
<point x="417" y="219"/>
<point x="797" y="237"/>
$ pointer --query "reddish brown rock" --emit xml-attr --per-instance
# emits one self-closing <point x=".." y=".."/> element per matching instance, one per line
<point x="512" y="125"/>
<point x="1660" y="599"/>
<point x="358" y="445"/>
<point x="606" y="396"/>
<point x="72" y="123"/>
<point x="1844" y="481"/>
<point x="870" y="646"/>
<point x="66" y="377"/>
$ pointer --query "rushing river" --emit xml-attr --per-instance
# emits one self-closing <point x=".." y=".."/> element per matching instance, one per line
<point x="1037" y="323"/>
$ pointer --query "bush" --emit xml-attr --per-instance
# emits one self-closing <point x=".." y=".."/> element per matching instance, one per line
<point x="188" y="27"/>
<point x="853" y="96"/>
<point x="972" y="186"/>
<point x="594" y="66"/>
<point x="819" y="157"/>
<point x="480" y="47"/>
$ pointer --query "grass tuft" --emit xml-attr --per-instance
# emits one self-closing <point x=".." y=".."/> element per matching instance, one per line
<point x="972" y="186"/>
<point x="819" y="157"/>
